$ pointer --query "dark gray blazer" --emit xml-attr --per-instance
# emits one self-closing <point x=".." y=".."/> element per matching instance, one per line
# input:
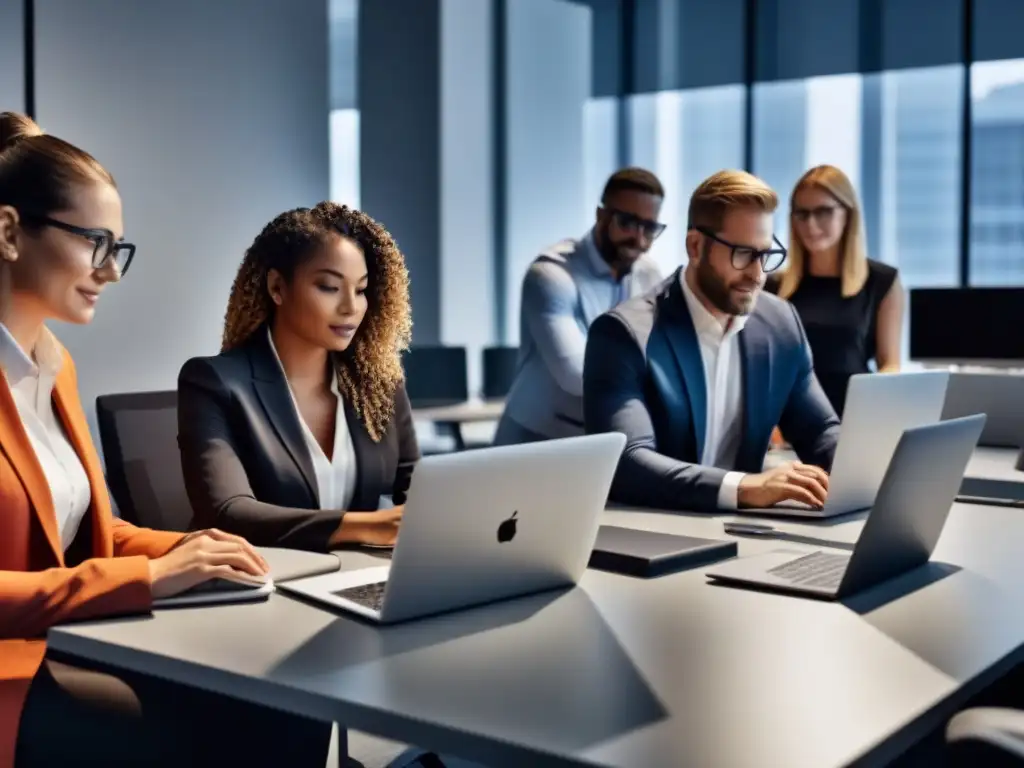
<point x="246" y="465"/>
<point x="643" y="375"/>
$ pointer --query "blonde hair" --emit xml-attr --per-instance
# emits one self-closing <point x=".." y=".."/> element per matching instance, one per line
<point x="725" y="191"/>
<point x="853" y="258"/>
<point x="370" y="370"/>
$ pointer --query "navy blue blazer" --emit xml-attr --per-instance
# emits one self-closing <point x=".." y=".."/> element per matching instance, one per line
<point x="643" y="375"/>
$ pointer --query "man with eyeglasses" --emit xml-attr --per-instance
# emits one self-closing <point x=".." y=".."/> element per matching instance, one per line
<point x="564" y="290"/>
<point x="697" y="373"/>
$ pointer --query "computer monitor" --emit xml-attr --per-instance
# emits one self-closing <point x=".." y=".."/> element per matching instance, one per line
<point x="955" y="325"/>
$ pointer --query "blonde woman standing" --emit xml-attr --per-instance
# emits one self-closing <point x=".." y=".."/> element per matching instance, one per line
<point x="851" y="306"/>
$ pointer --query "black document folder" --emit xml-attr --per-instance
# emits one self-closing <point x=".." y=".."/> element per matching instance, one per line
<point x="648" y="553"/>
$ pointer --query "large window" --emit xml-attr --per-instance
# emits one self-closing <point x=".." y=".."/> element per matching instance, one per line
<point x="684" y="137"/>
<point x="897" y="136"/>
<point x="997" y="173"/>
<point x="802" y="123"/>
<point x="344" y="114"/>
<point x="600" y="149"/>
<point x="919" y="167"/>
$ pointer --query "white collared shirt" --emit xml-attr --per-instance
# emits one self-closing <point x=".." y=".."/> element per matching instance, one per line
<point x="611" y="291"/>
<point x="720" y="351"/>
<point x="31" y="382"/>
<point x="335" y="477"/>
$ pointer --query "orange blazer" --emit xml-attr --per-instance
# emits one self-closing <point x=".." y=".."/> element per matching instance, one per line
<point x="36" y="589"/>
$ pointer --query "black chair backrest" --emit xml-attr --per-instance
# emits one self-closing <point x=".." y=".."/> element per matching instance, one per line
<point x="139" y="434"/>
<point x="499" y="371"/>
<point x="436" y="376"/>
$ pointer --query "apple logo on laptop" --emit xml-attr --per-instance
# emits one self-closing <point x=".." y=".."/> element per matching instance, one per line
<point x="507" y="529"/>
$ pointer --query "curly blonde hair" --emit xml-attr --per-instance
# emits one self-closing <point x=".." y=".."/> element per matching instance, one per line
<point x="370" y="370"/>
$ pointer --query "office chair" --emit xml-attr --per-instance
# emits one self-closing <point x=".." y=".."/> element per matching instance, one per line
<point x="139" y="435"/>
<point x="989" y="736"/>
<point x="499" y="371"/>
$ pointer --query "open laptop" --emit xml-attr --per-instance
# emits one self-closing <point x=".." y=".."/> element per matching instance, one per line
<point x="1000" y="396"/>
<point x="900" y="532"/>
<point x="481" y="526"/>
<point x="879" y="407"/>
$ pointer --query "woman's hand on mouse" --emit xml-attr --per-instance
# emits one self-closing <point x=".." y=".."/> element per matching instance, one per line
<point x="201" y="556"/>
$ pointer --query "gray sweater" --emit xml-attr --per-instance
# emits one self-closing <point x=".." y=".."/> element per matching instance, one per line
<point x="565" y="289"/>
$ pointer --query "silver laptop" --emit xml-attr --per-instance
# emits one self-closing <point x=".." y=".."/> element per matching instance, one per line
<point x="1000" y="396"/>
<point x="879" y="407"/>
<point x="481" y="526"/>
<point x="900" y="532"/>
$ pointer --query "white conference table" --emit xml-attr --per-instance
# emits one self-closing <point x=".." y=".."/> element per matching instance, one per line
<point x="624" y="671"/>
<point x="992" y="473"/>
<point x="455" y="416"/>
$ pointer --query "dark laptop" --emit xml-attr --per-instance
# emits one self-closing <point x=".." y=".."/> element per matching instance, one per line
<point x="901" y="530"/>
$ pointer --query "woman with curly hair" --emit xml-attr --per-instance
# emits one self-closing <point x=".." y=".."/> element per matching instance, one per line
<point x="291" y="435"/>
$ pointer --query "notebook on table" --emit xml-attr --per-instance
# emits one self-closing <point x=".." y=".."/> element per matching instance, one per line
<point x="649" y="553"/>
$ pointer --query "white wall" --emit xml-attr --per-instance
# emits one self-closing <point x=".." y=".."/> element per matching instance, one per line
<point x="12" y="57"/>
<point x="213" y="118"/>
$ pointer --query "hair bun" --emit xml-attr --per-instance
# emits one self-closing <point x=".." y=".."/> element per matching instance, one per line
<point x="14" y="127"/>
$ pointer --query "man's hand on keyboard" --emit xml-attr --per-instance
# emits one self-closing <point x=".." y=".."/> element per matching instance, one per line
<point x="792" y="481"/>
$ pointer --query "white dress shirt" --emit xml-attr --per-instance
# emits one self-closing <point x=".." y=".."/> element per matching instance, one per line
<point x="335" y="477"/>
<point x="31" y="382"/>
<point x="720" y="351"/>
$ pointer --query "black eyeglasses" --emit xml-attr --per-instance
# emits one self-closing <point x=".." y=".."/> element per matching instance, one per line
<point x="629" y="221"/>
<point x="742" y="256"/>
<point x="104" y="245"/>
<point x="823" y="213"/>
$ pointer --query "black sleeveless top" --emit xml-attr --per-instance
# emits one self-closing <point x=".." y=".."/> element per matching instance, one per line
<point x="841" y="332"/>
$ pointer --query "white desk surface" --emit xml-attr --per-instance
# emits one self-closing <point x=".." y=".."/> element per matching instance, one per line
<point x="625" y="671"/>
<point x="462" y="413"/>
<point x="992" y="473"/>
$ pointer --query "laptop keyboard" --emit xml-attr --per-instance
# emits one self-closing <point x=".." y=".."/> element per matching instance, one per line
<point x="369" y="595"/>
<point x="819" y="569"/>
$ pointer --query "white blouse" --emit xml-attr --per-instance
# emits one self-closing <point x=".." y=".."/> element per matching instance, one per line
<point x="335" y="477"/>
<point x="31" y="382"/>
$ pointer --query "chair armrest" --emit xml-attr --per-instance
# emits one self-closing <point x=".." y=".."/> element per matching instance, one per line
<point x="996" y="727"/>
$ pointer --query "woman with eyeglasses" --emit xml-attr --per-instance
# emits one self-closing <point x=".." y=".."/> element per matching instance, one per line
<point x="63" y="555"/>
<point x="851" y="306"/>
